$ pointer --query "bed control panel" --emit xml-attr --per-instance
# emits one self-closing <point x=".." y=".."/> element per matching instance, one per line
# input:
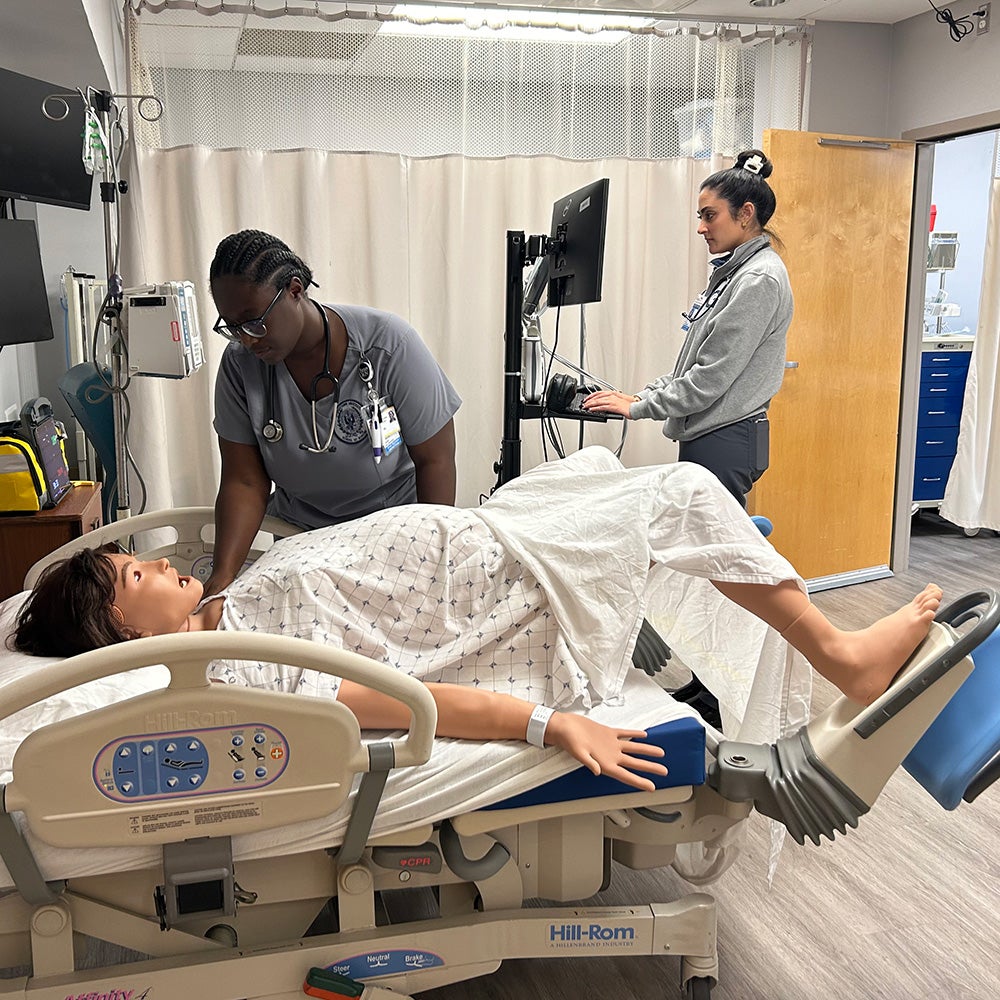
<point x="195" y="761"/>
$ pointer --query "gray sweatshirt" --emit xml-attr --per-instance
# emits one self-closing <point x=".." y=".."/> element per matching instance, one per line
<point x="733" y="357"/>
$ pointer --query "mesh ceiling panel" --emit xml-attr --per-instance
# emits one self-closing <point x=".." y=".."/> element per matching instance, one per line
<point x="343" y="80"/>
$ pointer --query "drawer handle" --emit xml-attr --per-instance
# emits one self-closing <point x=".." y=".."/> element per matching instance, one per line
<point x="940" y="374"/>
<point x="935" y="413"/>
<point x="934" y="442"/>
<point x="936" y="479"/>
<point x="939" y="390"/>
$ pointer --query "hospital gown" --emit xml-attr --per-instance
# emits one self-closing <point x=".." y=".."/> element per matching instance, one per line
<point x="539" y="593"/>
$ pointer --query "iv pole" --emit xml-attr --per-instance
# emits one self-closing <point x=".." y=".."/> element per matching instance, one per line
<point x="102" y="103"/>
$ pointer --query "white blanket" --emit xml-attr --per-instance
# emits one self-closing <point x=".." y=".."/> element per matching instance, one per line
<point x="539" y="593"/>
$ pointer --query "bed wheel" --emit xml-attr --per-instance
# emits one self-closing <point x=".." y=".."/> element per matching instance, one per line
<point x="698" y="988"/>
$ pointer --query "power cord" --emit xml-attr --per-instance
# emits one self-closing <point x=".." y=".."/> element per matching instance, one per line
<point x="958" y="28"/>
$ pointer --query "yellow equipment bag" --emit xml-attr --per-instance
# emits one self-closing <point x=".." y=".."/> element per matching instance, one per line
<point x="22" y="485"/>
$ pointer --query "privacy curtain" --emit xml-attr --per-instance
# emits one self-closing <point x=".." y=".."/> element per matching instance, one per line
<point x="395" y="151"/>
<point x="972" y="495"/>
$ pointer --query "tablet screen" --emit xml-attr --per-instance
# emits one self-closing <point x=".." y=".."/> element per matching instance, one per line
<point x="50" y="457"/>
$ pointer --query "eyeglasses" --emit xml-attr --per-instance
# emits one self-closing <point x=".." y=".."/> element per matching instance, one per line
<point x="250" y="328"/>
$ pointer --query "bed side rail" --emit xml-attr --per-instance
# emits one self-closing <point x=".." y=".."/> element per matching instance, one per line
<point x="826" y="776"/>
<point x="198" y="758"/>
<point x="188" y="523"/>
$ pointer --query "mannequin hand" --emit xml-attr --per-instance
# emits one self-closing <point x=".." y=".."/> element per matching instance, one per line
<point x="603" y="750"/>
<point x="607" y="401"/>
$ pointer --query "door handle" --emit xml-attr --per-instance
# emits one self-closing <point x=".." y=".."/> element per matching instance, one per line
<point x="791" y="364"/>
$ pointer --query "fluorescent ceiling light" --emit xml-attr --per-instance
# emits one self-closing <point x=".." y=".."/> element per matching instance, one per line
<point x="516" y="25"/>
<point x="766" y="3"/>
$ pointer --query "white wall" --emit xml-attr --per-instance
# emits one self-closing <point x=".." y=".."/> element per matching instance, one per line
<point x="963" y="177"/>
<point x="936" y="80"/>
<point x="52" y="40"/>
<point x="849" y="85"/>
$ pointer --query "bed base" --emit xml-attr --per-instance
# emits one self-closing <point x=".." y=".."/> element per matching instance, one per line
<point x="478" y="924"/>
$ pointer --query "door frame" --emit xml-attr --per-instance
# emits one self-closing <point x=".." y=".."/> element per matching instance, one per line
<point x="926" y="139"/>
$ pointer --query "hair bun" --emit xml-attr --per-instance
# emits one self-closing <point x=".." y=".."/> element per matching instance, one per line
<point x="755" y="162"/>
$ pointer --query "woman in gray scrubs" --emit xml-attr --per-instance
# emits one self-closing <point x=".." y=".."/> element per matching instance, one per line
<point x="342" y="409"/>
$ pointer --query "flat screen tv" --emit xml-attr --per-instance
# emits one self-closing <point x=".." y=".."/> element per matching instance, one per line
<point x="41" y="159"/>
<point x="25" y="316"/>
<point x="579" y="222"/>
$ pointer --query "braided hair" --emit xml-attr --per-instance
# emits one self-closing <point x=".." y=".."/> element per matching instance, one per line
<point x="745" y="181"/>
<point x="260" y="259"/>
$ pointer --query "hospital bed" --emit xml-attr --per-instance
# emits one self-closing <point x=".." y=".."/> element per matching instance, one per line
<point x="239" y="842"/>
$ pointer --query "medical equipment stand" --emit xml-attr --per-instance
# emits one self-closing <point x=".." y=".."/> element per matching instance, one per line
<point x="102" y="103"/>
<point x="522" y="251"/>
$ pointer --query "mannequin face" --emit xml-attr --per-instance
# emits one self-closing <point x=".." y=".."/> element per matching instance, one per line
<point x="240" y="301"/>
<point x="153" y="596"/>
<point x="716" y="224"/>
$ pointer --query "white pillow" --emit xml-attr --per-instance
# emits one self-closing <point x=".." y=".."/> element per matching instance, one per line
<point x="75" y="701"/>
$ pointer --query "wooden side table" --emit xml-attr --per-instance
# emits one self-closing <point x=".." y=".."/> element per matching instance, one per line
<point x="25" y="538"/>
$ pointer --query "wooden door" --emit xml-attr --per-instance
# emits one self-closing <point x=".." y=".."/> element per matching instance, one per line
<point x="844" y="211"/>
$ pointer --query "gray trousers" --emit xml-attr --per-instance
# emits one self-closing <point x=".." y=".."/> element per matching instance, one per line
<point x="738" y="453"/>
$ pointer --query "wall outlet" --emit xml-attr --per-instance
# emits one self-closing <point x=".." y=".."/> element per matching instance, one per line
<point x="982" y="17"/>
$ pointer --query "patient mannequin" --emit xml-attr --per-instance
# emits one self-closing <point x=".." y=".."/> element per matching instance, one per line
<point x="463" y="572"/>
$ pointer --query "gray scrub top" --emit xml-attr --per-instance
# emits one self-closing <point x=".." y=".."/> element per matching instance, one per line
<point x="313" y="490"/>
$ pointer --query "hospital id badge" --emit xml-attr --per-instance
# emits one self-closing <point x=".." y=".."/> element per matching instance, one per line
<point x="392" y="436"/>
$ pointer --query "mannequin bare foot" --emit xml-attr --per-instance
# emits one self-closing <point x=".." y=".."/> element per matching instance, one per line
<point x="863" y="663"/>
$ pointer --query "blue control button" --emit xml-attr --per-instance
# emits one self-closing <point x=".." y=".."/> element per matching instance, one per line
<point x="125" y="752"/>
<point x="259" y="737"/>
<point x="237" y="741"/>
<point x="195" y="779"/>
<point x="239" y="774"/>
<point x="261" y="772"/>
<point x="172" y="782"/>
<point x="194" y="745"/>
<point x="147" y="749"/>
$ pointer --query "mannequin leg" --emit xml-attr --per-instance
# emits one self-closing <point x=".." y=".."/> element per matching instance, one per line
<point x="861" y="664"/>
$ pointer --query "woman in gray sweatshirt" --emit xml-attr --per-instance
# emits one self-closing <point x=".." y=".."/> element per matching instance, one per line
<point x="715" y="401"/>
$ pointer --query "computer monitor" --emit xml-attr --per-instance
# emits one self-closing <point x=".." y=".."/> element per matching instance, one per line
<point x="25" y="316"/>
<point x="579" y="222"/>
<point x="41" y="159"/>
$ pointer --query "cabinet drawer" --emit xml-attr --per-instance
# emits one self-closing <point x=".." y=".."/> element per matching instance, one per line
<point x="930" y="476"/>
<point x="945" y="361"/>
<point x="936" y="442"/>
<point x="947" y="381"/>
<point x="938" y="410"/>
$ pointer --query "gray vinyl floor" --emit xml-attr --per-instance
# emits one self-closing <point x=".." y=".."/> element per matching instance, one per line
<point x="906" y="907"/>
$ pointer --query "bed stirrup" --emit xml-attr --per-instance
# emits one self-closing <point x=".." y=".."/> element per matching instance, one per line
<point x="787" y="782"/>
<point x="651" y="652"/>
<point x="22" y="866"/>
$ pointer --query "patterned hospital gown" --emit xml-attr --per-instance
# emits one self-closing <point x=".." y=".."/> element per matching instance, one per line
<point x="539" y="593"/>
<point x="427" y="589"/>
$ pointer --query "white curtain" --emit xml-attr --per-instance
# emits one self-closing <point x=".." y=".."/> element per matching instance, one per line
<point x="424" y="238"/>
<point x="395" y="155"/>
<point x="972" y="495"/>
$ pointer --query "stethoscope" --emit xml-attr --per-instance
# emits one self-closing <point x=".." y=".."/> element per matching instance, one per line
<point x="273" y="432"/>
<point x="705" y="302"/>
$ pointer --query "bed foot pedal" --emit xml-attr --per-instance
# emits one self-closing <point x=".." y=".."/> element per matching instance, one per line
<point x="330" y="986"/>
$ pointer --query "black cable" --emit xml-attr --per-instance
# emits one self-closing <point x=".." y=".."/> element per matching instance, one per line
<point x="548" y="372"/>
<point x="958" y="28"/>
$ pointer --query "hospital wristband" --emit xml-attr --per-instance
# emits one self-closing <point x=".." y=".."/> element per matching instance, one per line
<point x="537" y="724"/>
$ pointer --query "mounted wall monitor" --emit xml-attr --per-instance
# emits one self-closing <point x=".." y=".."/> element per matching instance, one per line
<point x="578" y="223"/>
<point x="41" y="159"/>
<point x="25" y="316"/>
